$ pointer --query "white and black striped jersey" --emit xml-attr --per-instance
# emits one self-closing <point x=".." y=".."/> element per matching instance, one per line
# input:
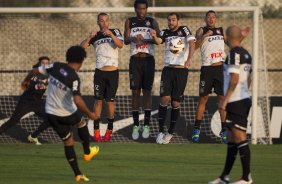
<point x="238" y="61"/>
<point x="167" y="35"/>
<point x="212" y="49"/>
<point x="106" y="50"/>
<point x="142" y="27"/>
<point x="63" y="84"/>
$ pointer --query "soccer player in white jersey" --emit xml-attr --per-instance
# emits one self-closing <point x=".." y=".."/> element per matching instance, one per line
<point x="210" y="39"/>
<point x="106" y="42"/>
<point x="64" y="105"/>
<point x="237" y="103"/>
<point x="142" y="63"/>
<point x="175" y="72"/>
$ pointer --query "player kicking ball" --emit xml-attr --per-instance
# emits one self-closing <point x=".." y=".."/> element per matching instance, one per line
<point x="179" y="50"/>
<point x="64" y="104"/>
<point x="237" y="104"/>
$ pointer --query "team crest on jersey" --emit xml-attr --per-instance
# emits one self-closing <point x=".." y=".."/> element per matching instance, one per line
<point x="63" y="72"/>
<point x="246" y="56"/>
<point x="148" y="24"/>
<point x="179" y="33"/>
<point x="218" y="31"/>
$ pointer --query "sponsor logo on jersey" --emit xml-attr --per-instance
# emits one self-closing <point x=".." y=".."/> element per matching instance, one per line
<point x="179" y="33"/>
<point x="216" y="55"/>
<point x="141" y="29"/>
<point x="213" y="38"/>
<point x="57" y="83"/>
<point x="63" y="72"/>
<point x="104" y="40"/>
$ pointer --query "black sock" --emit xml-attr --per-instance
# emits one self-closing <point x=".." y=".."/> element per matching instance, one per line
<point x="147" y="117"/>
<point x="96" y="124"/>
<point x="173" y="118"/>
<point x="110" y="123"/>
<point x="71" y="157"/>
<point x="230" y="159"/>
<point x="162" y="116"/>
<point x="135" y="115"/>
<point x="197" y="124"/>
<point x="83" y="134"/>
<point x="245" y="156"/>
<point x="223" y="126"/>
<point x="43" y="126"/>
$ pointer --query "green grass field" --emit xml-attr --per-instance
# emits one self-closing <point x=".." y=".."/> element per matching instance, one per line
<point x="134" y="163"/>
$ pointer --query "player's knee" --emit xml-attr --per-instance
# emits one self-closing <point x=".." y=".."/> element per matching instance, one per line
<point x="165" y="100"/>
<point x="69" y="141"/>
<point x="136" y="93"/>
<point x="175" y="104"/>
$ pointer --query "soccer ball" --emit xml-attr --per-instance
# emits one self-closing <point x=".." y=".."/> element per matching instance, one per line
<point x="176" y="46"/>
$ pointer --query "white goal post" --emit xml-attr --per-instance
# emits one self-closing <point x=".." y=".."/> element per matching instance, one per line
<point x="254" y="10"/>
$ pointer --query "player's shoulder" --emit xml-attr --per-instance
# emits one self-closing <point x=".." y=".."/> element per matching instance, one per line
<point x="116" y="31"/>
<point x="241" y="55"/>
<point x="185" y="30"/>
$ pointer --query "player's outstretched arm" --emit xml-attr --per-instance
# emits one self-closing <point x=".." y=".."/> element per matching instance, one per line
<point x="79" y="102"/>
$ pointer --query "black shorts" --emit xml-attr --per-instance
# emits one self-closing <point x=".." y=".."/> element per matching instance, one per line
<point x="141" y="72"/>
<point x="105" y="84"/>
<point x="173" y="83"/>
<point x="211" y="79"/>
<point x="237" y="114"/>
<point x="63" y="125"/>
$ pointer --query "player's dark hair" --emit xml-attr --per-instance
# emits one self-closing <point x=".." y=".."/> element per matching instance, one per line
<point x="174" y="13"/>
<point x="140" y="2"/>
<point x="101" y="14"/>
<point x="75" y="54"/>
<point x="39" y="61"/>
<point x="210" y="11"/>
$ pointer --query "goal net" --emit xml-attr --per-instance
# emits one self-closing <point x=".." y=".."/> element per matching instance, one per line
<point x="27" y="33"/>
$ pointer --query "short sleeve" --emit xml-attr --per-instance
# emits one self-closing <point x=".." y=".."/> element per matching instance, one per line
<point x="162" y="35"/>
<point x="76" y="86"/>
<point x="118" y="34"/>
<point x="189" y="36"/>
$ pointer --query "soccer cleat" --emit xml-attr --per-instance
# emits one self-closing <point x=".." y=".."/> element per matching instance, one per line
<point x="219" y="180"/>
<point x="80" y="178"/>
<point x="33" y="140"/>
<point x="94" y="150"/>
<point x="167" y="138"/>
<point x="146" y="132"/>
<point x="107" y="136"/>
<point x="135" y="132"/>
<point x="160" y="137"/>
<point x="196" y="135"/>
<point x="242" y="181"/>
<point x="223" y="135"/>
<point x="97" y="136"/>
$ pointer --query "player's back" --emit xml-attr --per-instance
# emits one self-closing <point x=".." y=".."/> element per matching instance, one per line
<point x="238" y="61"/>
<point x="63" y="81"/>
